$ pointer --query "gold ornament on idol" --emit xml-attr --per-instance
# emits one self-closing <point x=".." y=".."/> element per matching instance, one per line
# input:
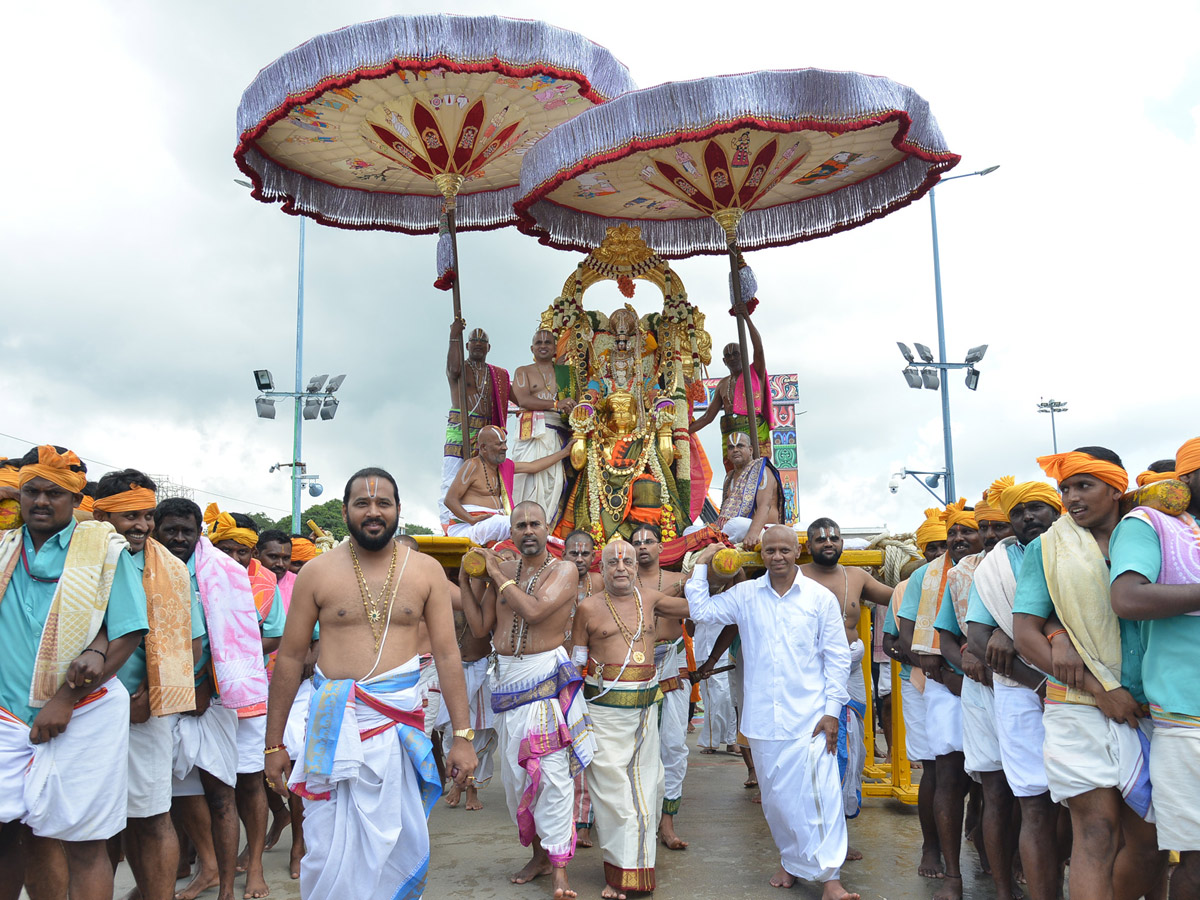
<point x="372" y="605"/>
<point x="630" y="637"/>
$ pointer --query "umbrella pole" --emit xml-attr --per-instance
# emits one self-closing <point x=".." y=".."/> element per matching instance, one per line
<point x="728" y="219"/>
<point x="449" y="184"/>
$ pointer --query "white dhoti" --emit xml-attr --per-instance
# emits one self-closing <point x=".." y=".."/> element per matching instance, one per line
<point x="482" y="719"/>
<point x="450" y="467"/>
<point x="1085" y="750"/>
<point x="369" y="781"/>
<point x="916" y="741"/>
<point x="207" y="742"/>
<point x="672" y="722"/>
<point x="735" y="529"/>
<point x="1175" y="769"/>
<point x="720" y="720"/>
<point x="74" y="787"/>
<point x="297" y="722"/>
<point x="430" y="692"/>
<point x="1019" y="719"/>
<point x="852" y="746"/>
<point x="151" y="754"/>
<point x="802" y="801"/>
<point x="491" y="530"/>
<point x="943" y="719"/>
<point x="545" y="738"/>
<point x="545" y="488"/>
<point x="252" y="742"/>
<point x="626" y="775"/>
<point x="981" y="744"/>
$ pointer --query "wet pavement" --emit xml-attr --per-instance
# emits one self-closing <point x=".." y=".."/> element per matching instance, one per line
<point x="730" y="853"/>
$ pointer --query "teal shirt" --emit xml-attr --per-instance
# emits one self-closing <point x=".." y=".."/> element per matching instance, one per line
<point x="133" y="673"/>
<point x="1033" y="598"/>
<point x="889" y="620"/>
<point x="947" y="621"/>
<point x="1170" y="668"/>
<point x="272" y="625"/>
<point x="26" y="604"/>
<point x="976" y="611"/>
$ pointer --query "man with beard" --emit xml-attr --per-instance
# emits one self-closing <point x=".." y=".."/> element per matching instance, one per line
<point x="797" y="665"/>
<point x="927" y="590"/>
<point x="487" y="389"/>
<point x="579" y="547"/>
<point x="729" y="399"/>
<point x="1064" y="624"/>
<point x="368" y="779"/>
<point x="1031" y="508"/>
<point x="1156" y="582"/>
<point x="206" y="748"/>
<point x="72" y="611"/>
<point x="851" y="586"/>
<point x="671" y="664"/>
<point x="158" y="676"/>
<point x="545" y="737"/>
<point x="539" y="389"/>
<point x="480" y="498"/>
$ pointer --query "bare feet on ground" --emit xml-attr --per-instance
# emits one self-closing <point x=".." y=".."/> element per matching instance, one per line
<point x="455" y="794"/>
<point x="473" y="801"/>
<point x="243" y="861"/>
<point x="751" y="780"/>
<point x="611" y="893"/>
<point x="930" y="865"/>
<point x="951" y="888"/>
<point x="294" y="862"/>
<point x="536" y="867"/>
<point x="198" y="885"/>
<point x="256" y="886"/>
<point x="834" y="891"/>
<point x="670" y="839"/>
<point x="279" y="822"/>
<point x="853" y="855"/>
<point x="561" y="888"/>
<point x="583" y="836"/>
<point x="783" y="878"/>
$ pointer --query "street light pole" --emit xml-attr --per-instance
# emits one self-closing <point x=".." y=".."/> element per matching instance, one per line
<point x="297" y="481"/>
<point x="1052" y="407"/>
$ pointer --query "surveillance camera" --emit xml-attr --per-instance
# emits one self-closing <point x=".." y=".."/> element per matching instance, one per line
<point x="894" y="485"/>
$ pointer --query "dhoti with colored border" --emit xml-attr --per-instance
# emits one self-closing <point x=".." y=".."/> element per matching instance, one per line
<point x="672" y="720"/>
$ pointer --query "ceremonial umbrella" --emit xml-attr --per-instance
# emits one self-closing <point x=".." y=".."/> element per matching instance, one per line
<point x="772" y="157"/>
<point x="411" y="122"/>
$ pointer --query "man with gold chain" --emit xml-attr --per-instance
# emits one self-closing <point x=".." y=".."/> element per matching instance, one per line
<point x="614" y="640"/>
<point x="539" y="389"/>
<point x="752" y="496"/>
<point x="545" y="736"/>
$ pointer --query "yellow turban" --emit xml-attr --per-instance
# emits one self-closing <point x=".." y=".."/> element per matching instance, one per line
<point x="9" y="475"/>
<point x="956" y="514"/>
<point x="303" y="550"/>
<point x="1005" y="494"/>
<point x="1149" y="477"/>
<point x="86" y="504"/>
<point x="985" y="511"/>
<point x="1187" y="457"/>
<point x="933" y="529"/>
<point x="222" y="527"/>
<point x="55" y="467"/>
<point x="1061" y="466"/>
<point x="133" y="500"/>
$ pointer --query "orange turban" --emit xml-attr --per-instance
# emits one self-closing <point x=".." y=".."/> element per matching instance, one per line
<point x="1187" y="457"/>
<point x="986" y="512"/>
<point x="222" y="527"/>
<point x="1005" y="494"/>
<point x="1061" y="466"/>
<point x="86" y="504"/>
<point x="55" y="467"/>
<point x="303" y="550"/>
<point x="933" y="529"/>
<point x="9" y="475"/>
<point x="956" y="514"/>
<point x="1149" y="477"/>
<point x="133" y="500"/>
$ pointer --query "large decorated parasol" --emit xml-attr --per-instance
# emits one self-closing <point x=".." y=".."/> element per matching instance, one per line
<point x="772" y="158"/>
<point x="416" y="123"/>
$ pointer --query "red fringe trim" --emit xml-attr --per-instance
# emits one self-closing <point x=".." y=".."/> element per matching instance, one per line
<point x="446" y="281"/>
<point x="750" y="308"/>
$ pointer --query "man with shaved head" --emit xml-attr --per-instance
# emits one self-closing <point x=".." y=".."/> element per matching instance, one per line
<point x="797" y="665"/>
<point x="540" y="389"/>
<point x="543" y="734"/>
<point x="614" y="640"/>
<point x="480" y="497"/>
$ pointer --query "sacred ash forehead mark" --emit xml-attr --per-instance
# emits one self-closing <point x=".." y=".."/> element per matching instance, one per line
<point x="826" y="534"/>
<point x="372" y="486"/>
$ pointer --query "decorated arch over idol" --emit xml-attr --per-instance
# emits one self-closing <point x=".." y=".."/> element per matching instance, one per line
<point x="633" y="375"/>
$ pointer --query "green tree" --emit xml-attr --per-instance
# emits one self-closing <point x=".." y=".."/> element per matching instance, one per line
<point x="263" y="521"/>
<point x="417" y="529"/>
<point x="328" y="515"/>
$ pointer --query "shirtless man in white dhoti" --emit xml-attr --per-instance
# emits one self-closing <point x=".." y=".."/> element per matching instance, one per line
<point x="525" y="605"/>
<point x="540" y="429"/>
<point x="368" y="777"/>
<point x="579" y="547"/>
<point x="797" y="664"/>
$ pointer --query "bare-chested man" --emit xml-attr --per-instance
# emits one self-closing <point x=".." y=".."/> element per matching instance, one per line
<point x="752" y="497"/>
<point x="480" y="497"/>
<point x="852" y="587"/>
<point x="614" y="640"/>
<point x="369" y="595"/>
<point x="730" y="398"/>
<point x="579" y="547"/>
<point x="525" y="605"/>
<point x="488" y="391"/>
<point x="541" y="430"/>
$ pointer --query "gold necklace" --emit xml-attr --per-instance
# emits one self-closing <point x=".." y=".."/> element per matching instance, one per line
<point x="520" y="628"/>
<point x="372" y="605"/>
<point x="494" y="493"/>
<point x="638" y="656"/>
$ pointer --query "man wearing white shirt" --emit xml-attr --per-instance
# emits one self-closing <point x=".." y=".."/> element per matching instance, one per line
<point x="797" y="665"/>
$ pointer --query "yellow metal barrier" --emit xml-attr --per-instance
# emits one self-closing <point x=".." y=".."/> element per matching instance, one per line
<point x="881" y="779"/>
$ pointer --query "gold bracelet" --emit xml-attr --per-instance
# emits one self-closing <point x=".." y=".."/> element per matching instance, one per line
<point x="274" y="749"/>
<point x="509" y="583"/>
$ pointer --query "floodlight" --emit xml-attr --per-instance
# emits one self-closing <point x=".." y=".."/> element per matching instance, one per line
<point x="263" y="379"/>
<point x="975" y="354"/>
<point x="334" y="383"/>
<point x="930" y="378"/>
<point x="972" y="379"/>
<point x="925" y="353"/>
<point x="329" y="410"/>
<point x="265" y="407"/>
<point x="312" y="406"/>
<point x="315" y="489"/>
<point x="904" y="349"/>
<point x="912" y="376"/>
<point x="934" y="480"/>
<point x="316" y="383"/>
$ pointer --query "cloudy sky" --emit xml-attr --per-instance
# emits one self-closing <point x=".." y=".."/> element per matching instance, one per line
<point x="141" y="286"/>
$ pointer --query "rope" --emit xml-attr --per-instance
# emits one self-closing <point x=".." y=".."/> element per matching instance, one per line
<point x="898" y="551"/>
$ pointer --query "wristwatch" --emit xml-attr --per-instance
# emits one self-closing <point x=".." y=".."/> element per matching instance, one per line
<point x="467" y="734"/>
